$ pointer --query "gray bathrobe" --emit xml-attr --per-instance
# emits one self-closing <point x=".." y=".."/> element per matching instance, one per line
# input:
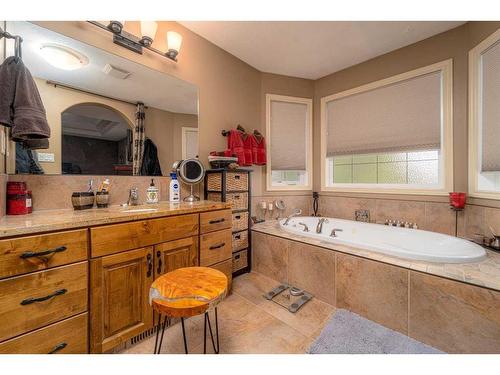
<point x="21" y="107"/>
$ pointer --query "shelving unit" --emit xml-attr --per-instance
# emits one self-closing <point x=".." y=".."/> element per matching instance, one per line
<point x="234" y="186"/>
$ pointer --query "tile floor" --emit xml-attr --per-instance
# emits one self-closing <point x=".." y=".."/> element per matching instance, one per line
<point x="249" y="324"/>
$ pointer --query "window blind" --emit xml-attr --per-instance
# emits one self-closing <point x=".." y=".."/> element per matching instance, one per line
<point x="490" y="109"/>
<point x="288" y="135"/>
<point x="402" y="116"/>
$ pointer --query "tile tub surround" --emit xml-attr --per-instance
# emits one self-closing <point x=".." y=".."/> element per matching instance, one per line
<point x="54" y="220"/>
<point x="453" y="316"/>
<point x="485" y="273"/>
<point x="304" y="202"/>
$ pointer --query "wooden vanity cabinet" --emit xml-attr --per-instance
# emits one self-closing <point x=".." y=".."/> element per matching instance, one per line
<point x="175" y="254"/>
<point x="119" y="298"/>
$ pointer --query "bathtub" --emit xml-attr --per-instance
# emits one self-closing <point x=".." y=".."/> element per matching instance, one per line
<point x="399" y="242"/>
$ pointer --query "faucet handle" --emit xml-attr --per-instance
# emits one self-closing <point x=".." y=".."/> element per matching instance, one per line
<point x="334" y="232"/>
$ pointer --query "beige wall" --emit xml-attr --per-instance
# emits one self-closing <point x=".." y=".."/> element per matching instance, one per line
<point x="228" y="88"/>
<point x="454" y="44"/>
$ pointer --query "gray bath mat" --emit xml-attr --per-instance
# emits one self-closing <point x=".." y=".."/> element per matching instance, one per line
<point x="349" y="333"/>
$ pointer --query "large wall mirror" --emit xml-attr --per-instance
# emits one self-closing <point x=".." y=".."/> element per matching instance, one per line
<point x="107" y="115"/>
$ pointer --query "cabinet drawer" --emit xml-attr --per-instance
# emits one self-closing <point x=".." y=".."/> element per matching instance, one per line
<point x="115" y="238"/>
<point x="226" y="268"/>
<point x="239" y="201"/>
<point x="34" y="253"/>
<point x="240" y="221"/>
<point x="215" y="247"/>
<point x="66" y="337"/>
<point x="235" y="181"/>
<point x="35" y="300"/>
<point x="215" y="220"/>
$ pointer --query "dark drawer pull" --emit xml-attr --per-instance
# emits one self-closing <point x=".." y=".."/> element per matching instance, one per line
<point x="236" y="176"/>
<point x="29" y="301"/>
<point x="236" y="197"/>
<point x="58" y="347"/>
<point x="236" y="257"/>
<point x="149" y="258"/>
<point x="237" y="237"/>
<point x="217" y="221"/>
<point x="237" y="217"/>
<point x="158" y="255"/>
<point x="217" y="246"/>
<point x="32" y="254"/>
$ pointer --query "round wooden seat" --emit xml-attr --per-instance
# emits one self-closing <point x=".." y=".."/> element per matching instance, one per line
<point x="187" y="292"/>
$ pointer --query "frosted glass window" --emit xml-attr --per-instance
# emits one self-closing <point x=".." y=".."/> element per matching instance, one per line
<point x="401" y="168"/>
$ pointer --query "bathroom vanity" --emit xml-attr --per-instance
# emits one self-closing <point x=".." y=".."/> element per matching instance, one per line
<point x="78" y="282"/>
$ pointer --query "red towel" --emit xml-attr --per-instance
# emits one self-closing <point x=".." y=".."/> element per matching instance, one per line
<point x="249" y="143"/>
<point x="235" y="144"/>
<point x="259" y="151"/>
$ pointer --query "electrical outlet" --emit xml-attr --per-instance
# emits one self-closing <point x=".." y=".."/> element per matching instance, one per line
<point x="46" y="157"/>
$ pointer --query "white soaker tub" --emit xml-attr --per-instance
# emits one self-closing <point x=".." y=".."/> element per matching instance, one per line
<point x="399" y="242"/>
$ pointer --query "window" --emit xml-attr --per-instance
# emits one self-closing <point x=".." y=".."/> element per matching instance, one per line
<point x="289" y="143"/>
<point x="391" y="136"/>
<point x="484" y="118"/>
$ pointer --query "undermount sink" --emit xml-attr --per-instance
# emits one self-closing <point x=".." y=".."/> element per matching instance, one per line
<point x="140" y="210"/>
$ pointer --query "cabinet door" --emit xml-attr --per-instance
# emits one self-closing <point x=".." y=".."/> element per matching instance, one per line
<point x="176" y="254"/>
<point x="119" y="298"/>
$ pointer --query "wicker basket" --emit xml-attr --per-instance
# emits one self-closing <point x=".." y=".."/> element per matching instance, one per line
<point x="240" y="240"/>
<point x="235" y="181"/>
<point x="240" y="221"/>
<point x="238" y="200"/>
<point x="240" y="260"/>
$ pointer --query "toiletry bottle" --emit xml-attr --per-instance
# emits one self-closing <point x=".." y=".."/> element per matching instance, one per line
<point x="152" y="195"/>
<point x="175" y="195"/>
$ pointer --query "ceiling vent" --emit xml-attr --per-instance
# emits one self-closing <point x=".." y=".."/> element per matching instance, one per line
<point x="116" y="72"/>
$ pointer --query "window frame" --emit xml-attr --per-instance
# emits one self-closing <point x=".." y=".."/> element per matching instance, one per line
<point x="474" y="114"/>
<point x="446" y="158"/>
<point x="309" y="142"/>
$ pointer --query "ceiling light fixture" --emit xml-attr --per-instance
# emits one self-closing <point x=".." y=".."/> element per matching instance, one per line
<point x="63" y="57"/>
<point x="137" y="44"/>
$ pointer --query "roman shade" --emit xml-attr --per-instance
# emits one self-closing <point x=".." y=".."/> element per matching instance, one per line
<point x="402" y="116"/>
<point x="289" y="123"/>
<point x="490" y="82"/>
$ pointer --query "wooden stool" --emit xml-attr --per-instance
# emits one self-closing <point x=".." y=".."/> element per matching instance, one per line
<point x="184" y="293"/>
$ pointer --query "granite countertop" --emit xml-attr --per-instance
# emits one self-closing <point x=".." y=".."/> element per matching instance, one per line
<point x="53" y="220"/>
<point x="485" y="273"/>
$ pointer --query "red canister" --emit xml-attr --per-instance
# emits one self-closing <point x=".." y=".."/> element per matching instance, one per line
<point x="18" y="198"/>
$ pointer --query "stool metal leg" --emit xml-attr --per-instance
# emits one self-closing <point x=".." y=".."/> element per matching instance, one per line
<point x="207" y="318"/>
<point x="160" y="327"/>
<point x="205" y="333"/>
<point x="184" y="336"/>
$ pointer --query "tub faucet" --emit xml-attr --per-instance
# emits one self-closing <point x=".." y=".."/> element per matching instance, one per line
<point x="334" y="232"/>
<point x="306" y="228"/>
<point x="321" y="221"/>
<point x="296" y="212"/>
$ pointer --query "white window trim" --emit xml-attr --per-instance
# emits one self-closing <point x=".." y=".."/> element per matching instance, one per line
<point x="309" y="142"/>
<point x="446" y="68"/>
<point x="474" y="113"/>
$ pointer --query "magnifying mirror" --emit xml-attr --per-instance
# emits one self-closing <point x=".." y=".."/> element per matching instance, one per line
<point x="191" y="172"/>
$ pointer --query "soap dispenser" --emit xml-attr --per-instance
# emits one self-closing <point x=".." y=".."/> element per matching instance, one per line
<point x="152" y="195"/>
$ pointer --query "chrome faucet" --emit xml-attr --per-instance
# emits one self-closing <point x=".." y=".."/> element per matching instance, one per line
<point x="296" y="212"/>
<point x="133" y="197"/>
<point x="306" y="228"/>
<point x="321" y="221"/>
<point x="334" y="232"/>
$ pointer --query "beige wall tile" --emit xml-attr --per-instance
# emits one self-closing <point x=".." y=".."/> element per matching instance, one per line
<point x="491" y="220"/>
<point x="343" y="207"/>
<point x="439" y="218"/>
<point x="377" y="291"/>
<point x="313" y="269"/>
<point x="452" y="316"/>
<point x="304" y="202"/>
<point x="473" y="221"/>
<point x="270" y="256"/>
<point x="401" y="210"/>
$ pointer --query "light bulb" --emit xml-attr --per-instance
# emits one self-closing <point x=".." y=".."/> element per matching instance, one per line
<point x="174" y="41"/>
<point x="148" y="28"/>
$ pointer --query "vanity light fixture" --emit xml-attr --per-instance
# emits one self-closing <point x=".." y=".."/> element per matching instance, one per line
<point x="137" y="44"/>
